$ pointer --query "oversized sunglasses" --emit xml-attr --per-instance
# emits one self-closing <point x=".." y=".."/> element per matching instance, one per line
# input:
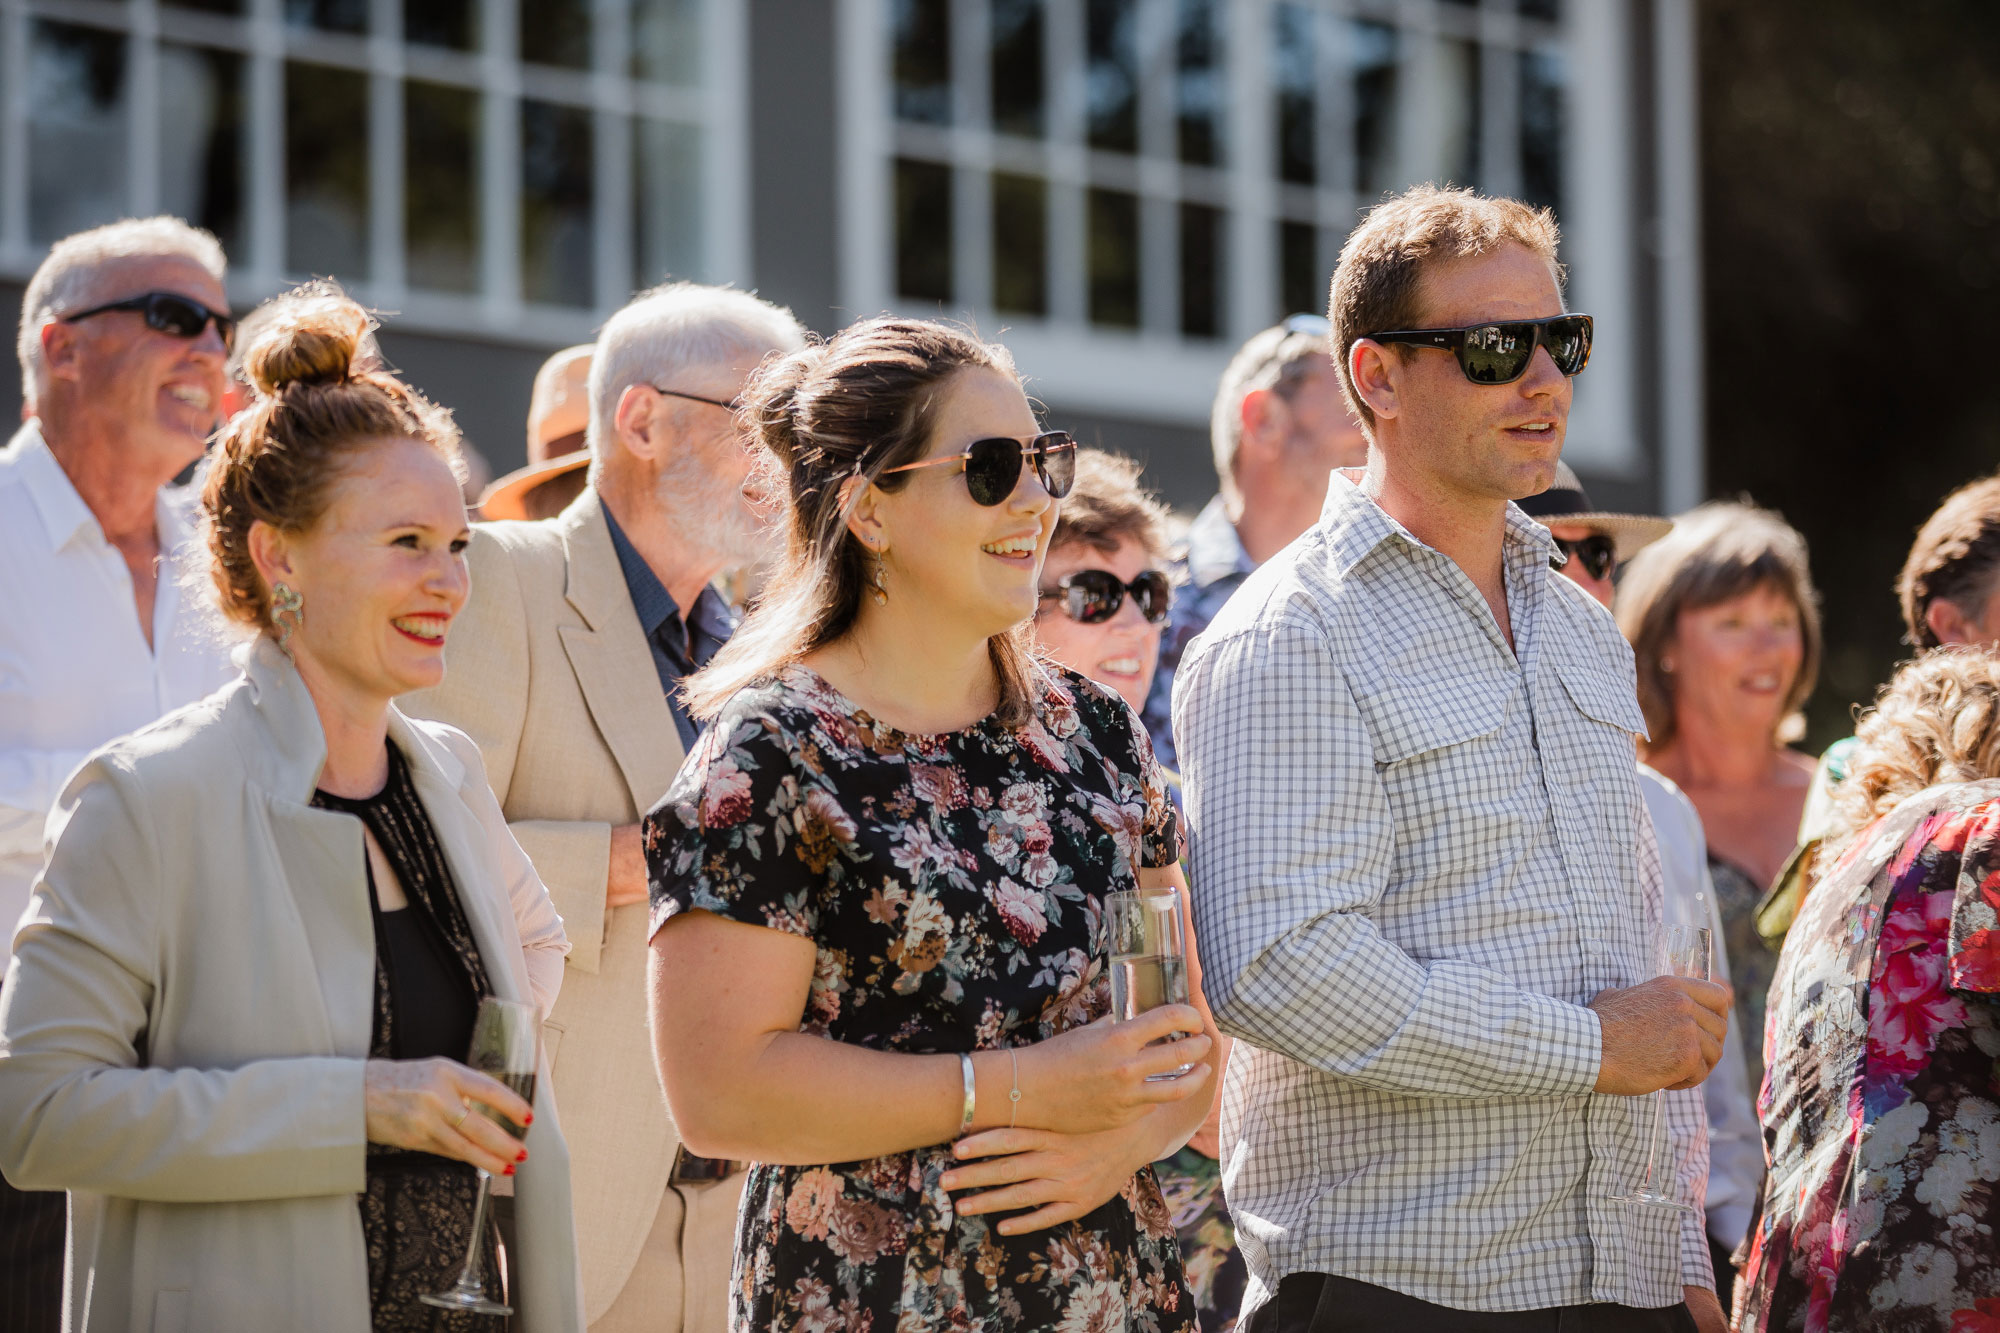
<point x="1596" y="553"/>
<point x="993" y="466"/>
<point x="169" y="313"/>
<point x="1093" y="596"/>
<point x="1499" y="353"/>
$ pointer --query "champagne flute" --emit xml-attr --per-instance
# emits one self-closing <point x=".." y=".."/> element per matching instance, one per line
<point x="506" y="1044"/>
<point x="1689" y="954"/>
<point x="1148" y="954"/>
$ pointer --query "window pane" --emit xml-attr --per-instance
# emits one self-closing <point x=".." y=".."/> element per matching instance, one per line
<point x="1111" y="86"/>
<point x="1542" y="80"/>
<point x="76" y="129"/>
<point x="333" y="15"/>
<point x="666" y="40"/>
<point x="558" y="252"/>
<point x="1299" y="285"/>
<point x="202" y="139"/>
<point x="556" y="32"/>
<point x="1017" y="67"/>
<point x="1458" y="71"/>
<point x="1201" y="271"/>
<point x="1020" y="243"/>
<point x="1114" y="258"/>
<point x="922" y="34"/>
<point x="1541" y="9"/>
<point x="1374" y="46"/>
<point x="452" y="23"/>
<point x="666" y="190"/>
<point x="1292" y="81"/>
<point x="441" y="186"/>
<point x="326" y="171"/>
<point x="923" y="230"/>
<point x="1199" y="85"/>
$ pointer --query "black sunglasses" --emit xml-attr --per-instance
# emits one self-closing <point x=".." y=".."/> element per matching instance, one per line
<point x="1596" y="553"/>
<point x="1093" y="596"/>
<point x="170" y="313"/>
<point x="993" y="466"/>
<point x="1499" y="353"/>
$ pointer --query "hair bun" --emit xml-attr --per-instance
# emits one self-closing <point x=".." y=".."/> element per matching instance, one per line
<point x="313" y="341"/>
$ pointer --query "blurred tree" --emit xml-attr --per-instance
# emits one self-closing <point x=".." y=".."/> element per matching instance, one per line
<point x="1851" y="200"/>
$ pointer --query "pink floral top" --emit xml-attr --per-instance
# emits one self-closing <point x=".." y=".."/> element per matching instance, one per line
<point x="953" y="885"/>
<point x="1881" y="1107"/>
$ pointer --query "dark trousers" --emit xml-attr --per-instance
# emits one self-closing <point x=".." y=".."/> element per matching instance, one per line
<point x="1319" y="1303"/>
<point x="34" y="1227"/>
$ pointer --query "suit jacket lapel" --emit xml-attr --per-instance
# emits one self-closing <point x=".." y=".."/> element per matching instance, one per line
<point x="613" y="662"/>
<point x="323" y="860"/>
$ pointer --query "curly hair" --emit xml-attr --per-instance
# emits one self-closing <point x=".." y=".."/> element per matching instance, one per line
<point x="1954" y="558"/>
<point x="1936" y="721"/>
<point x="1107" y="504"/>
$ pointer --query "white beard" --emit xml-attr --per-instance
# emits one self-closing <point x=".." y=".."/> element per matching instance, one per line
<point x="710" y="512"/>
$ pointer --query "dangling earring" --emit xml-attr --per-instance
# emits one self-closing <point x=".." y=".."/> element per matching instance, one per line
<point x="878" y="577"/>
<point x="288" y="613"/>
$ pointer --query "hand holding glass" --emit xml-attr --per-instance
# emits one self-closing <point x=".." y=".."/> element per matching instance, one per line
<point x="506" y="1044"/>
<point x="1148" y="944"/>
<point x="1688" y="954"/>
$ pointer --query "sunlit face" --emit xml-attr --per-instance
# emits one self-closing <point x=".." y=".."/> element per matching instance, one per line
<point x="1323" y="434"/>
<point x="382" y="572"/>
<point x="1480" y="441"/>
<point x="162" y="393"/>
<point x="1574" y="571"/>
<point x="702" y="484"/>
<point x="1734" y="663"/>
<point x="1123" y="651"/>
<point x="963" y="562"/>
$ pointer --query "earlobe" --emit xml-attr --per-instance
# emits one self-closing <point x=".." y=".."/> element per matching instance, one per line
<point x="860" y="501"/>
<point x="1374" y="377"/>
<point x="634" y="420"/>
<point x="270" y="553"/>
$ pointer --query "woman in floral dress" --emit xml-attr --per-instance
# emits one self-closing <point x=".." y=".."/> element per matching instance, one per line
<point x="878" y="886"/>
<point x="1881" y="1108"/>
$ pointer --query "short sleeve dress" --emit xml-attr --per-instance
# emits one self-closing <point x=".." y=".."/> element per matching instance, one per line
<point x="953" y="885"/>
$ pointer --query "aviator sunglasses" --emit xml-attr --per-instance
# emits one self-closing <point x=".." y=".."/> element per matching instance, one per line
<point x="1499" y="353"/>
<point x="1596" y="553"/>
<point x="993" y="466"/>
<point x="169" y="313"/>
<point x="1093" y="596"/>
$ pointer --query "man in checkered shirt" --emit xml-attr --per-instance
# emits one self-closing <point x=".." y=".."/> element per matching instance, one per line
<point x="1425" y="886"/>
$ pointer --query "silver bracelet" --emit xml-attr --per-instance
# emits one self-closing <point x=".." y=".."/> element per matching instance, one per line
<point x="971" y="1093"/>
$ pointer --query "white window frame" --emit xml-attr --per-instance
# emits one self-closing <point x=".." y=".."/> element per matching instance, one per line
<point x="496" y="311"/>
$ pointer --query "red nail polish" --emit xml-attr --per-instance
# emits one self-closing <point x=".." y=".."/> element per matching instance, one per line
<point x="530" y="1120"/>
<point x="523" y="1157"/>
<point x="509" y="1171"/>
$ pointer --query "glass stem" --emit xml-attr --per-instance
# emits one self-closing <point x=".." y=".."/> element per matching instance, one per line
<point x="1652" y="1182"/>
<point x="472" y="1279"/>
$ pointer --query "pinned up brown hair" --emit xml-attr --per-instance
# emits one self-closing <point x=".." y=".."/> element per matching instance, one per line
<point x="1954" y="559"/>
<point x="276" y="460"/>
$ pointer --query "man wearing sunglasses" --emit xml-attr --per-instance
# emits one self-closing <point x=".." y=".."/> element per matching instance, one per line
<point x="565" y="668"/>
<point x="124" y="330"/>
<point x="1426" y="886"/>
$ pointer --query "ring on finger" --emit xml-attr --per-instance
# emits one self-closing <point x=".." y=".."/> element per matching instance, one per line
<point x="463" y="1113"/>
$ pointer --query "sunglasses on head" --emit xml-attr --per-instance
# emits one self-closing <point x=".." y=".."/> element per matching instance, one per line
<point x="1499" y="353"/>
<point x="169" y="313"/>
<point x="1093" y="596"/>
<point x="993" y="466"/>
<point x="1596" y="553"/>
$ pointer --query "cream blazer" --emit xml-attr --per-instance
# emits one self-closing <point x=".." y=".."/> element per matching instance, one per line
<point x="187" y="1016"/>
<point x="550" y="672"/>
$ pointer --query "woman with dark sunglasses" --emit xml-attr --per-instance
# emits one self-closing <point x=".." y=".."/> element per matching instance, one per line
<point x="878" y="884"/>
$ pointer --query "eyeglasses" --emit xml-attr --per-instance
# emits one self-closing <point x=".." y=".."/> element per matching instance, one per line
<point x="732" y="405"/>
<point x="993" y="466"/>
<point x="1500" y="353"/>
<point x="1093" y="596"/>
<point x="169" y="313"/>
<point x="1597" y="554"/>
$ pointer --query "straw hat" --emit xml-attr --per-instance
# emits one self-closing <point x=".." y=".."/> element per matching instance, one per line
<point x="1566" y="502"/>
<point x="558" y="417"/>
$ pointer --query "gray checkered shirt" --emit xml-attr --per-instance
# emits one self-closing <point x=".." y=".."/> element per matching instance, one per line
<point x="1417" y="855"/>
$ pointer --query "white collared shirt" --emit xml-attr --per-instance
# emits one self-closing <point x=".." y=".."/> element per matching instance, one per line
<point x="75" y="668"/>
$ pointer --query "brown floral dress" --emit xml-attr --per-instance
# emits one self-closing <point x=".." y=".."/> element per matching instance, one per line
<point x="954" y="886"/>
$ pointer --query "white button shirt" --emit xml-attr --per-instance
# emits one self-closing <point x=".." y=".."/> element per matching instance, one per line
<point x="75" y="668"/>
<point x="1418" y="852"/>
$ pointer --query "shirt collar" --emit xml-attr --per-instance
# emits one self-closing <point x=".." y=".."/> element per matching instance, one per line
<point x="63" y="513"/>
<point x="1355" y="525"/>
<point x="656" y="606"/>
<point x="1214" y="551"/>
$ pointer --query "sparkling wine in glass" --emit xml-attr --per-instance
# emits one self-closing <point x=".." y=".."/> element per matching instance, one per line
<point x="507" y="1046"/>
<point x="1148" y="935"/>
<point x="1688" y="954"/>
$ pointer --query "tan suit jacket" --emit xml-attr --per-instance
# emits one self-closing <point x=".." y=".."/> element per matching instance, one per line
<point x="549" y="671"/>
<point x="186" y="1023"/>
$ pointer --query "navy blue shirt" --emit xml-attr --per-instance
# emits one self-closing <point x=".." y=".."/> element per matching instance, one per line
<point x="681" y="645"/>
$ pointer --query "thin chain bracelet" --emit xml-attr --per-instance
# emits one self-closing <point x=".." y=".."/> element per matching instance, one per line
<point x="1014" y="1094"/>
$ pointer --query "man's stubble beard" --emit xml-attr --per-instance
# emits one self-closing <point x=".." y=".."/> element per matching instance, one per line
<point x="711" y="512"/>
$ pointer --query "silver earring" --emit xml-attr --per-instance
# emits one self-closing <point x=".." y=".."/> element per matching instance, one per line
<point x="288" y="613"/>
<point x="878" y="578"/>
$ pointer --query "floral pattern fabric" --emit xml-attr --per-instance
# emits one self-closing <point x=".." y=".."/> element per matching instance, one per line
<point x="953" y="886"/>
<point x="1881" y="1107"/>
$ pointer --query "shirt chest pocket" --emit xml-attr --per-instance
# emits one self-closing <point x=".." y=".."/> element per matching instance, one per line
<point x="1411" y="721"/>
